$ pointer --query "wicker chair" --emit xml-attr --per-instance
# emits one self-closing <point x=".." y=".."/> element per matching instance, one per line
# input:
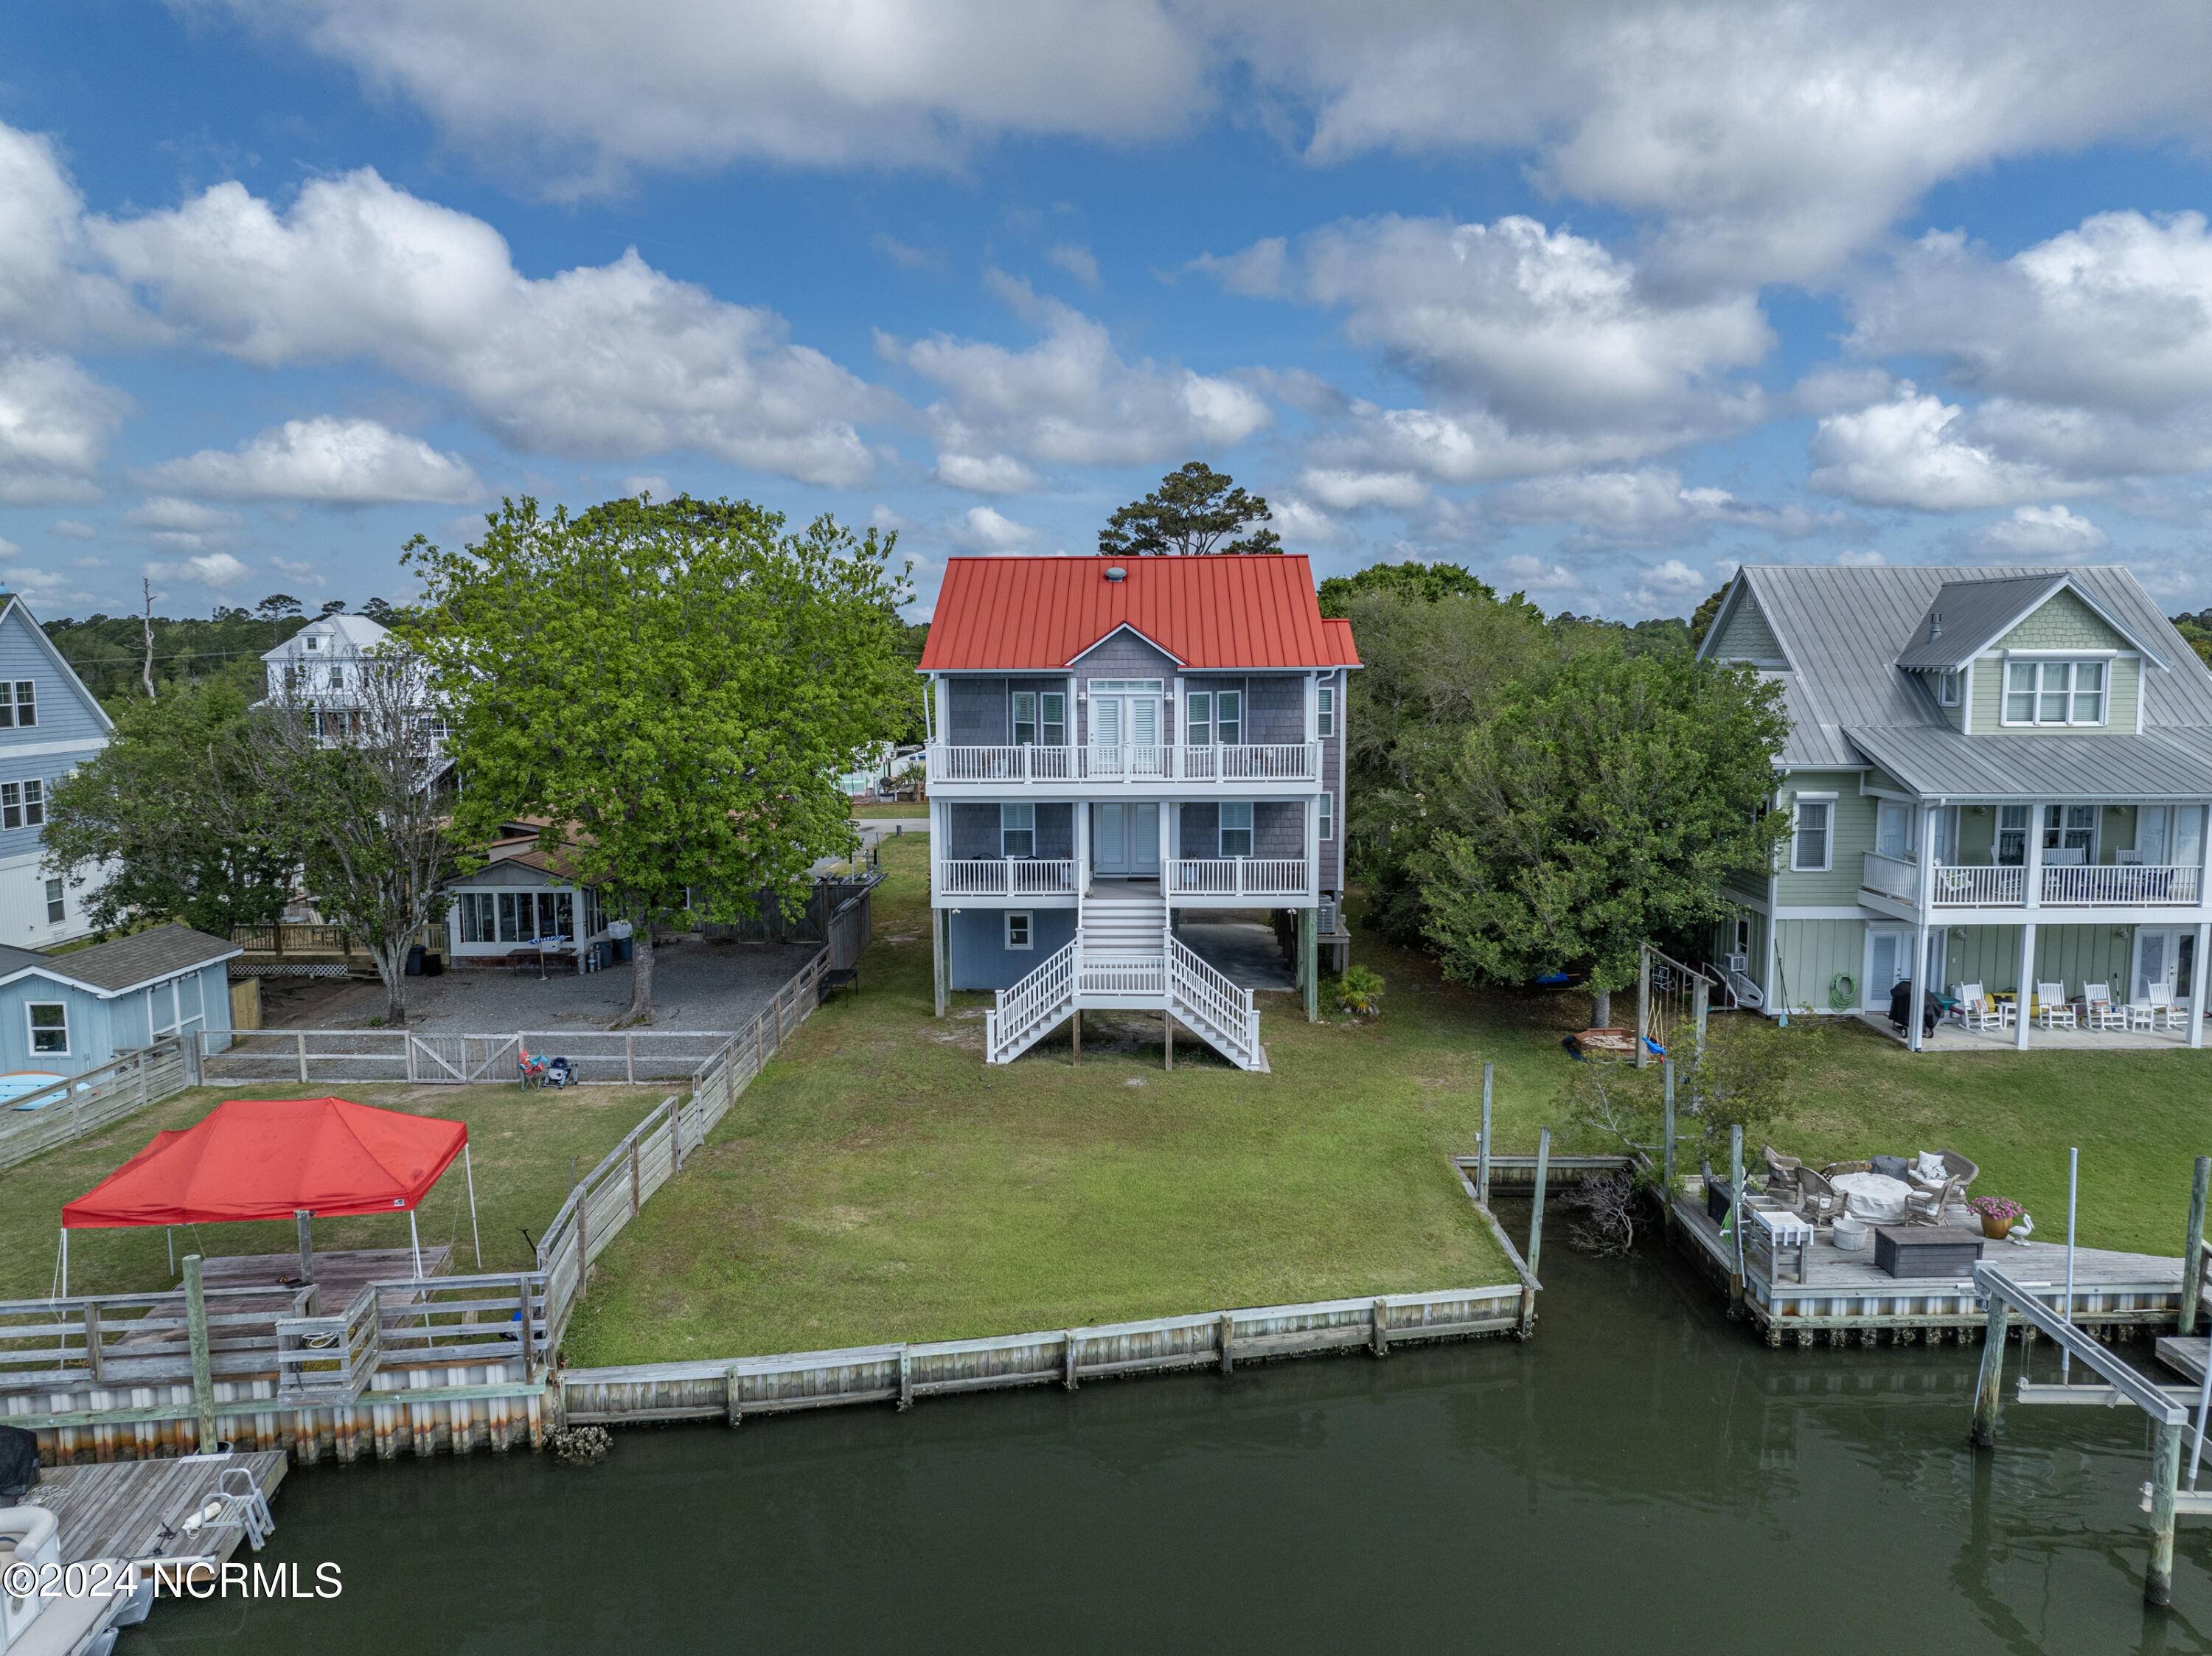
<point x="1781" y="1174"/>
<point x="1821" y="1201"/>
<point x="1925" y="1206"/>
<point x="1835" y="1168"/>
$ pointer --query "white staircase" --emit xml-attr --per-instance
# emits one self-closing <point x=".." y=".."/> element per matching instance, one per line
<point x="1124" y="958"/>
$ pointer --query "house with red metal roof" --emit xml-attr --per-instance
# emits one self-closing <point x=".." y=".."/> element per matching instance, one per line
<point x="1117" y="746"/>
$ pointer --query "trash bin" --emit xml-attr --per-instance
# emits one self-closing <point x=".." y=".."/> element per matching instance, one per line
<point x="415" y="952"/>
<point x="433" y="965"/>
<point x="623" y="947"/>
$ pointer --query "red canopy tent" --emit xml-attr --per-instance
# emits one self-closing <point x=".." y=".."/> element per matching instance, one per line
<point x="278" y="1159"/>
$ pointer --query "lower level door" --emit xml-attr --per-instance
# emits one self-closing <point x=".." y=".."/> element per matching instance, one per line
<point x="2164" y="954"/>
<point x="1889" y="962"/>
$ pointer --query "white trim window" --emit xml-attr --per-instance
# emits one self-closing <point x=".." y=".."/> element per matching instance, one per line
<point x="2012" y="836"/>
<point x="1893" y="829"/>
<point x="2055" y="692"/>
<point x="1947" y="688"/>
<point x="2070" y="834"/>
<point x="1021" y="928"/>
<point x="1325" y="712"/>
<point x="1328" y="816"/>
<point x="18" y="710"/>
<point x="1811" y="835"/>
<point x="1234" y="837"/>
<point x="1040" y="719"/>
<point x="47" y="1022"/>
<point x="1017" y="831"/>
<point x="34" y="804"/>
<point x="57" y="903"/>
<point x="1214" y="716"/>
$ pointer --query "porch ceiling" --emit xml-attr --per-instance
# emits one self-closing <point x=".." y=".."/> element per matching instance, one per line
<point x="2170" y="763"/>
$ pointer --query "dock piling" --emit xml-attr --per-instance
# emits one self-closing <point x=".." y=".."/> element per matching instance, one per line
<point x="2192" y="1252"/>
<point x="1536" y="1211"/>
<point x="1667" y="1148"/>
<point x="1989" y="1389"/>
<point x="1482" y="1144"/>
<point x="1736" y="1218"/>
<point x="2165" y="1474"/>
<point x="196" y="1325"/>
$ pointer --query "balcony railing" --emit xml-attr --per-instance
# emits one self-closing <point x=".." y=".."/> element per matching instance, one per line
<point x="2004" y="885"/>
<point x="1008" y="876"/>
<point x="1239" y="877"/>
<point x="1127" y="761"/>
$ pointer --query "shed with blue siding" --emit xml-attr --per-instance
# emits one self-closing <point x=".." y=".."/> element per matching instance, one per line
<point x="72" y="1012"/>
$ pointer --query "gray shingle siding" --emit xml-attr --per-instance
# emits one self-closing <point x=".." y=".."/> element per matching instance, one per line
<point x="975" y="830"/>
<point x="1125" y="656"/>
<point x="1278" y="828"/>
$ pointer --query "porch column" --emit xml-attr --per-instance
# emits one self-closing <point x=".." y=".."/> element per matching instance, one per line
<point x="942" y="688"/>
<point x="2032" y="876"/>
<point x="1312" y="847"/>
<point x="1923" y="901"/>
<point x="1166" y="914"/>
<point x="2197" y="976"/>
<point x="939" y="948"/>
<point x="2027" y="989"/>
<point x="1081" y="809"/>
<point x="1313" y="707"/>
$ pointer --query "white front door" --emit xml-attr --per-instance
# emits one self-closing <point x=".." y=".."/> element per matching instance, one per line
<point x="1889" y="962"/>
<point x="2158" y="954"/>
<point x="1109" y="845"/>
<point x="1125" y="839"/>
<point x="1144" y="838"/>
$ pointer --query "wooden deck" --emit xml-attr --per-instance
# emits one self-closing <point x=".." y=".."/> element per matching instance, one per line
<point x="1847" y="1295"/>
<point x="120" y="1509"/>
<point x="339" y="1276"/>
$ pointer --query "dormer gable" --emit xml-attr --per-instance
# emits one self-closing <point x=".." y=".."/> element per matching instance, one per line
<point x="1741" y="633"/>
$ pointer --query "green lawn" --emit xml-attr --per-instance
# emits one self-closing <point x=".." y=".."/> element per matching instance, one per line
<point x="521" y="1145"/>
<point x="909" y="810"/>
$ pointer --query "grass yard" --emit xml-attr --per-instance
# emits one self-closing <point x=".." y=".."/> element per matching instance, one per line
<point x="521" y="1143"/>
<point x="889" y="809"/>
<point x="881" y="1182"/>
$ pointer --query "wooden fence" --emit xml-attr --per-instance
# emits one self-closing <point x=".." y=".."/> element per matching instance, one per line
<point x="39" y="1121"/>
<point x="615" y="1057"/>
<point x="733" y="1388"/>
<point x="612" y="1193"/>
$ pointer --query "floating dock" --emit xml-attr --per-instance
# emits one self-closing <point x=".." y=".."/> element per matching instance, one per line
<point x="135" y="1509"/>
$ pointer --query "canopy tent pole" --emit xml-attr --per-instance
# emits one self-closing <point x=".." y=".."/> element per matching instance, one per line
<point x="64" y="1294"/>
<point x="2073" y="1189"/>
<point x="475" y="1236"/>
<point x="169" y="1236"/>
<point x="415" y="1240"/>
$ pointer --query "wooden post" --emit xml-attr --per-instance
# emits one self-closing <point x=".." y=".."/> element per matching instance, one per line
<point x="676" y="1140"/>
<point x="1075" y="1036"/>
<point x="1168" y="1019"/>
<point x="905" y="1379"/>
<point x="637" y="1201"/>
<point x="1310" y="961"/>
<point x="408" y="1042"/>
<point x="583" y="1251"/>
<point x="2165" y="1475"/>
<point x="1228" y="1343"/>
<point x="196" y="1324"/>
<point x="630" y="1058"/>
<point x="1667" y="1150"/>
<point x="1482" y="1145"/>
<point x="1536" y="1213"/>
<point x="2192" y="1253"/>
<point x="303" y="1219"/>
<point x="92" y="1357"/>
<point x="1067" y="1353"/>
<point x="1643" y="1005"/>
<point x="778" y="1004"/>
<point x="733" y="1396"/>
<point x="1736" y="1218"/>
<point x="1701" y="1003"/>
<point x="1379" y="1323"/>
<point x="522" y="1296"/>
<point x="1989" y="1389"/>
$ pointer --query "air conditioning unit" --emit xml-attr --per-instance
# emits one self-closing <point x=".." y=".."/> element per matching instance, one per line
<point x="1738" y="964"/>
<point x="1328" y="918"/>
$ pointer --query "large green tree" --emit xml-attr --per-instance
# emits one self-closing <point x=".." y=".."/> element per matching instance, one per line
<point x="168" y="821"/>
<point x="674" y="686"/>
<point x="1195" y="511"/>
<point x="1600" y="805"/>
<point x="1428" y="583"/>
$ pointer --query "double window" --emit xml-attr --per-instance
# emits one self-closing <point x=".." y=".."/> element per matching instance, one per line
<point x="1236" y="834"/>
<point x="1809" y="844"/>
<point x="1040" y="719"/>
<point x="19" y="704"/>
<point x="2054" y="692"/>
<point x="1215" y="716"/>
<point x="1017" y="831"/>
<point x="49" y="1027"/>
<point x="2071" y="832"/>
<point x="23" y="804"/>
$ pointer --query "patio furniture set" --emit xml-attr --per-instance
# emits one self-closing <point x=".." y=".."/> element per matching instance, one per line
<point x="1900" y="1205"/>
<point x="2095" y="1008"/>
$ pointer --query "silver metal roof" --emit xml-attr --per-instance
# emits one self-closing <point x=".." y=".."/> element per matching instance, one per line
<point x="1940" y="763"/>
<point x="1844" y="630"/>
<point x="1973" y="613"/>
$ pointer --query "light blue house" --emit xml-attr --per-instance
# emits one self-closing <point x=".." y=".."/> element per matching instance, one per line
<point x="50" y="724"/>
<point x="65" y="1014"/>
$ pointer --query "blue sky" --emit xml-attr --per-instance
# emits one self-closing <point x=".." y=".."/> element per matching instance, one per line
<point x="1597" y="300"/>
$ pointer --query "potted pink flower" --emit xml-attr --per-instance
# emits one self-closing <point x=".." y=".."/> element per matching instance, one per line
<point x="1999" y="1215"/>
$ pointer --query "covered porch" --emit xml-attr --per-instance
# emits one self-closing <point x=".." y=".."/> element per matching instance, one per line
<point x="1952" y="1036"/>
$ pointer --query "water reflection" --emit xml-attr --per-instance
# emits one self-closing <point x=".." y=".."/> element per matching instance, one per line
<point x="1642" y="1477"/>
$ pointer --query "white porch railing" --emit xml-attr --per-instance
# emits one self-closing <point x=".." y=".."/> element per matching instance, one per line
<point x="1008" y="876"/>
<point x="1240" y="877"/>
<point x="2118" y="884"/>
<point x="1980" y="885"/>
<point x="1211" y="1003"/>
<point x="1145" y="976"/>
<point x="1031" y="1006"/>
<point x="1893" y="877"/>
<point x="1125" y="762"/>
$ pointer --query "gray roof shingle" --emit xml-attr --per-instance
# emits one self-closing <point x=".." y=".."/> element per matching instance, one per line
<point x="125" y="962"/>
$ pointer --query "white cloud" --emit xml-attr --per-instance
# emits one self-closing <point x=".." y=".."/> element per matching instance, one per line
<point x="1079" y="262"/>
<point x="1524" y="573"/>
<point x="1344" y="489"/>
<point x="1070" y="399"/>
<point x="1306" y="527"/>
<point x="305" y="574"/>
<point x="645" y="483"/>
<point x="583" y="93"/>
<point x="8" y="548"/>
<point x="1918" y="451"/>
<point x="986" y="474"/>
<point x="167" y="514"/>
<point x="326" y="461"/>
<point x="2043" y="531"/>
<point x="71" y="528"/>
<point x="979" y="529"/>
<point x="215" y="569"/>
<point x="598" y="362"/>
<point x="55" y="420"/>
<point x="1648" y="506"/>
<point x="905" y="255"/>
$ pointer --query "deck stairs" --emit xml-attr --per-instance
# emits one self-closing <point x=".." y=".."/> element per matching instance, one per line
<point x="1124" y="957"/>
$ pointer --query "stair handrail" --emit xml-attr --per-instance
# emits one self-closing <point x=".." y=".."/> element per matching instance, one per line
<point x="1041" y="990"/>
<point x="1225" y="1006"/>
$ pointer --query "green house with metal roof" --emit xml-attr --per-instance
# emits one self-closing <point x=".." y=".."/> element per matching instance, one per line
<point x="2001" y="772"/>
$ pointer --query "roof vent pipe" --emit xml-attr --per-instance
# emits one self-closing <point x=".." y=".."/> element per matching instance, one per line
<point x="1935" y="625"/>
<point x="1114" y="572"/>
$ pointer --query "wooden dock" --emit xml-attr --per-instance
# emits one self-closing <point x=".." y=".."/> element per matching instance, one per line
<point x="135" y="1509"/>
<point x="1846" y="1296"/>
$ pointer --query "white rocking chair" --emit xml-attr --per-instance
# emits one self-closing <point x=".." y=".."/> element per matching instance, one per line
<point x="2164" y="1014"/>
<point x="1979" y="1013"/>
<point x="2052" y="1009"/>
<point x="2097" y="1010"/>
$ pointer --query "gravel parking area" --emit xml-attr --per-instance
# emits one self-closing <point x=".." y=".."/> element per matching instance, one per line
<point x="696" y="986"/>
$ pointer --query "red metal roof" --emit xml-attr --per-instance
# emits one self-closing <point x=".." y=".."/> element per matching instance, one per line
<point x="1039" y="614"/>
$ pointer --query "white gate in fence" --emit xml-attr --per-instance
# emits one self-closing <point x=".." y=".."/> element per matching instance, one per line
<point x="623" y="1057"/>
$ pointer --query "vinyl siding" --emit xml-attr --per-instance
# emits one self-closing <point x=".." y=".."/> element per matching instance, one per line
<point x="1851" y="838"/>
<point x="2063" y="622"/>
<point x="973" y="830"/>
<point x="2123" y="690"/>
<point x="1747" y="637"/>
<point x="100" y="1030"/>
<point x="67" y="711"/>
<point x="1811" y="955"/>
<point x="1989" y="956"/>
<point x="981" y="959"/>
<point x="1125" y="656"/>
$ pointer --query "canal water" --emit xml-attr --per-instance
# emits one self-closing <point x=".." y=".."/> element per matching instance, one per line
<point x="1642" y="1477"/>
